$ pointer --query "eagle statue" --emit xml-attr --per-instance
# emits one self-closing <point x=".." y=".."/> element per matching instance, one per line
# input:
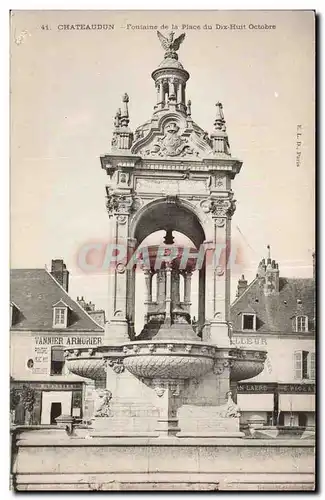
<point x="168" y="43"/>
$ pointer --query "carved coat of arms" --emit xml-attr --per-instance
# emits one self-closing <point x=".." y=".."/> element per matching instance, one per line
<point x="171" y="144"/>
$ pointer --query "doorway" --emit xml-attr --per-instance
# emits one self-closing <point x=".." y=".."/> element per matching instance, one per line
<point x="56" y="411"/>
<point x="63" y="398"/>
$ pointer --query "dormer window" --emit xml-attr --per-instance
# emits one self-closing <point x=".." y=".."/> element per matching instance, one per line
<point x="248" y="321"/>
<point x="60" y="315"/>
<point x="301" y="324"/>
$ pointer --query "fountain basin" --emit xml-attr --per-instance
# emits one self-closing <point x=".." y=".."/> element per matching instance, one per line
<point x="246" y="364"/>
<point x="168" y="359"/>
<point x="86" y="364"/>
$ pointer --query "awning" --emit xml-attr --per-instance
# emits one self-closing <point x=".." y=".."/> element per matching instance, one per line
<point x="255" y="402"/>
<point x="297" y="402"/>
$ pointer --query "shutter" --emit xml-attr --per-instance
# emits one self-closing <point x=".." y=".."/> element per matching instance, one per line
<point x="297" y="365"/>
<point x="305" y="364"/>
<point x="311" y="366"/>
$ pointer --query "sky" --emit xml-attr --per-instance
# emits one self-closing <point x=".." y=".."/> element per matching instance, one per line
<point x="66" y="86"/>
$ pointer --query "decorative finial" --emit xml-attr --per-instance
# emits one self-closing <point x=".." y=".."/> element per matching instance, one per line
<point x="268" y="252"/>
<point x="219" y="122"/>
<point x="188" y="108"/>
<point x="117" y="118"/>
<point x="124" y="118"/>
<point x="169" y="44"/>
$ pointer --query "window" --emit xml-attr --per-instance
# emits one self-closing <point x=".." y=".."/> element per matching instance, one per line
<point x="300" y="365"/>
<point x="249" y="322"/>
<point x="60" y="315"/>
<point x="301" y="324"/>
<point x="57" y="360"/>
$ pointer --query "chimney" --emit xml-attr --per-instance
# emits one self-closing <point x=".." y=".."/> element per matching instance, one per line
<point x="60" y="273"/>
<point x="272" y="275"/>
<point x="242" y="285"/>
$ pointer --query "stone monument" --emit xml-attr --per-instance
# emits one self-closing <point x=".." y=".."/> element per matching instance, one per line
<point x="171" y="175"/>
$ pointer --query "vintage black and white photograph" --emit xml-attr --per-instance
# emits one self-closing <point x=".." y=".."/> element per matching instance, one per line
<point x="162" y="253"/>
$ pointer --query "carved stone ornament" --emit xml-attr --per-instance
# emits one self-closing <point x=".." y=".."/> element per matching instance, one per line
<point x="222" y="207"/>
<point x="171" y="144"/>
<point x="116" y="365"/>
<point x="220" y="222"/>
<point x="219" y="181"/>
<point x="122" y="219"/>
<point x="102" y="403"/>
<point x="160" y="387"/>
<point x="205" y="205"/>
<point x="120" y="268"/>
<point x="160" y="391"/>
<point x="119" y="204"/>
<point x="221" y="364"/>
<point x="231" y="408"/>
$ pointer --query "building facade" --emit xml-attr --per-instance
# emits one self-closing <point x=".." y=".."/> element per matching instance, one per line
<point x="44" y="320"/>
<point x="277" y="314"/>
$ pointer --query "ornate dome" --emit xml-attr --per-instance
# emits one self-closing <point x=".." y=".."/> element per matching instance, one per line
<point x="170" y="63"/>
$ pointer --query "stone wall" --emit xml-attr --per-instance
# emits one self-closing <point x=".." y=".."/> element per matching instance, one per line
<point x="42" y="462"/>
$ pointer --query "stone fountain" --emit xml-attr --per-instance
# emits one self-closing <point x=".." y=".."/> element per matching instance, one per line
<point x="167" y="366"/>
<point x="165" y="413"/>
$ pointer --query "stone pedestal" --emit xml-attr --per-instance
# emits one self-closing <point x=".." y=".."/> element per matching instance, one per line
<point x="169" y="400"/>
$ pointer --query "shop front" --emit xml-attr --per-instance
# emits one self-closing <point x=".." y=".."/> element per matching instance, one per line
<point x="40" y="403"/>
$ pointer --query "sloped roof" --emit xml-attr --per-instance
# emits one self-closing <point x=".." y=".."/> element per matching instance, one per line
<point x="274" y="313"/>
<point x="35" y="292"/>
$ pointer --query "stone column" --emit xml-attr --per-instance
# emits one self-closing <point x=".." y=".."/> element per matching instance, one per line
<point x="201" y="308"/>
<point x="118" y="329"/>
<point x="147" y="290"/>
<point x="172" y="94"/>
<point x="209" y="281"/>
<point x="187" y="286"/>
<point x="222" y="210"/>
<point x="161" y="286"/>
<point x="179" y="93"/>
<point x="131" y="276"/>
<point x="161" y="93"/>
<point x="175" y="278"/>
<point x="168" y="300"/>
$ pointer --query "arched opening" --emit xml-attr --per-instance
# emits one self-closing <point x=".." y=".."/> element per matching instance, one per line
<point x="168" y="222"/>
<point x="162" y="216"/>
<point x="147" y="293"/>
